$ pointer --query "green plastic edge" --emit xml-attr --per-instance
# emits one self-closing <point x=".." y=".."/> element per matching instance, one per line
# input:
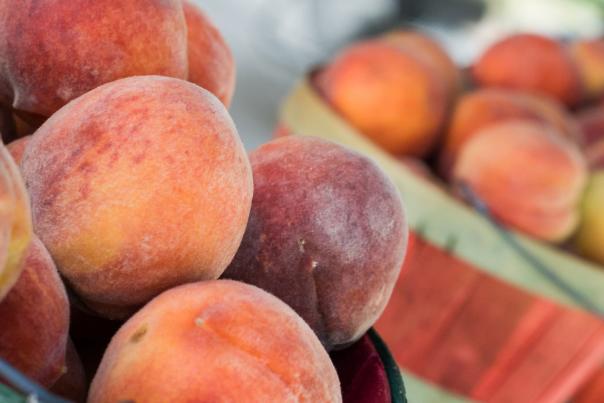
<point x="412" y="389"/>
<point x="7" y="395"/>
<point x="444" y="221"/>
<point x="395" y="380"/>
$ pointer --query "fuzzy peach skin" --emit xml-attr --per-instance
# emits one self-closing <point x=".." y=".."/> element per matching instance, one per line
<point x="35" y="319"/>
<point x="326" y="234"/>
<point x="15" y="222"/>
<point x="211" y="63"/>
<point x="215" y="341"/>
<point x="530" y="177"/>
<point x="591" y="123"/>
<point x="589" y="239"/>
<point x="532" y="63"/>
<point x="17" y="148"/>
<point x="389" y="94"/>
<point x="428" y="48"/>
<point x="595" y="156"/>
<point x="136" y="187"/>
<point x="72" y="384"/>
<point x="480" y="108"/>
<point x="588" y="55"/>
<point x="53" y="51"/>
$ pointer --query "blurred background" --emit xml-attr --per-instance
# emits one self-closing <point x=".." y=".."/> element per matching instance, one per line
<point x="276" y="41"/>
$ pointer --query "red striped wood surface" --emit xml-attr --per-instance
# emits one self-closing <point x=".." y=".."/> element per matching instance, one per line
<point x="457" y="326"/>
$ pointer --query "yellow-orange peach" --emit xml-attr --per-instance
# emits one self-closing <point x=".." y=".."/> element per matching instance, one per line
<point x="53" y="51"/>
<point x="589" y="239"/>
<point x="428" y="48"/>
<point x="15" y="222"/>
<point x="478" y="109"/>
<point x="215" y="341"/>
<point x="530" y="177"/>
<point x="137" y="186"/>
<point x="532" y="63"/>
<point x="392" y="96"/>
<point x="35" y="319"/>
<point x="588" y="55"/>
<point x="17" y="148"/>
<point x="211" y="63"/>
<point x="326" y="234"/>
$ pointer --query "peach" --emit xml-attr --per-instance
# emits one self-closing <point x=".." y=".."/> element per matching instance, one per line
<point x="17" y="148"/>
<point x="326" y="234"/>
<point x="211" y="63"/>
<point x="530" y="177"/>
<point x="394" y="97"/>
<point x="589" y="239"/>
<point x="72" y="384"/>
<point x="215" y="341"/>
<point x="35" y="319"/>
<point x="137" y="186"/>
<point x="432" y="52"/>
<point x="15" y="222"/>
<point x="532" y="63"/>
<point x="595" y="156"/>
<point x="483" y="107"/>
<point x="591" y="123"/>
<point x="54" y="51"/>
<point x="588" y="55"/>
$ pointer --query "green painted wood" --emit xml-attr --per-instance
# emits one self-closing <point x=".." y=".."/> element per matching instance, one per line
<point x="7" y="395"/>
<point x="420" y="391"/>
<point x="444" y="221"/>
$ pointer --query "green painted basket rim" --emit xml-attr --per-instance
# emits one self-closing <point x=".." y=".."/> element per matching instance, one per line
<point x="395" y="379"/>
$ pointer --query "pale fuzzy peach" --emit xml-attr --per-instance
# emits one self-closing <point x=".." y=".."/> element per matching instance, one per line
<point x="215" y="341"/>
<point x="53" y="51"/>
<point x="17" y="148"/>
<point x="483" y="107"/>
<point x="138" y="186"/>
<point x="211" y="63"/>
<point x="530" y="177"/>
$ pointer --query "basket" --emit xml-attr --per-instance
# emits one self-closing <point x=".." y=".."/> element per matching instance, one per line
<point x="487" y="313"/>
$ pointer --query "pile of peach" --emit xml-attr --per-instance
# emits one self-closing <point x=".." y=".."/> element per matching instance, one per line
<point x="523" y="128"/>
<point x="218" y="276"/>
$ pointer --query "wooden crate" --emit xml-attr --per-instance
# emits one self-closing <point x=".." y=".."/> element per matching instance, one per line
<point x="469" y="312"/>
